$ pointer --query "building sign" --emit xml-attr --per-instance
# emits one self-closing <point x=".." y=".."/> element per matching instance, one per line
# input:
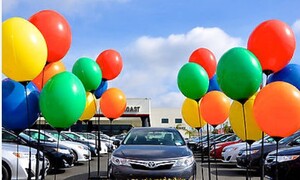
<point x="137" y="106"/>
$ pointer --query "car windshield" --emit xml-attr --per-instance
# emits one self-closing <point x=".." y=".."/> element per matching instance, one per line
<point x="55" y="135"/>
<point x="154" y="137"/>
<point x="28" y="138"/>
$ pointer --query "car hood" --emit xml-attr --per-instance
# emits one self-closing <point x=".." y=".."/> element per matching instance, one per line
<point x="287" y="151"/>
<point x="151" y="151"/>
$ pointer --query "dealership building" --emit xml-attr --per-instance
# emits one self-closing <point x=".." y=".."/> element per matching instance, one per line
<point x="138" y="113"/>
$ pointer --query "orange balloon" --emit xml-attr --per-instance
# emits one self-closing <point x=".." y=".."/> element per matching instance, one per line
<point x="277" y="109"/>
<point x="48" y="72"/>
<point x="273" y="43"/>
<point x="113" y="103"/>
<point x="206" y="59"/>
<point x="110" y="63"/>
<point x="214" y="107"/>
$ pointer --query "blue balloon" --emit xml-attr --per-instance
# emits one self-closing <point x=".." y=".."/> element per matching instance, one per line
<point x="101" y="89"/>
<point x="290" y="74"/>
<point x="213" y="84"/>
<point x="20" y="110"/>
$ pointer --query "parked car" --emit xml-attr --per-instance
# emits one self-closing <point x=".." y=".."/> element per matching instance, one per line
<point x="81" y="152"/>
<point x="230" y="152"/>
<point x="228" y="137"/>
<point x="196" y="143"/>
<point x="252" y="157"/>
<point x="15" y="162"/>
<point x="92" y="146"/>
<point x="216" y="150"/>
<point x="288" y="162"/>
<point x="57" y="156"/>
<point x="148" y="152"/>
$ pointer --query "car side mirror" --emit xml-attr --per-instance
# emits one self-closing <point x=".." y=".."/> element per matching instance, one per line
<point x="116" y="142"/>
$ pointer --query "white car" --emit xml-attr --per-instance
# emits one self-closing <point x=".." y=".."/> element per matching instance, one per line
<point x="230" y="152"/>
<point x="79" y="138"/>
<point x="81" y="151"/>
<point x="15" y="162"/>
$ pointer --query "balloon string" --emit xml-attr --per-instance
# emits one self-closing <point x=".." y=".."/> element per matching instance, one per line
<point x="89" y="163"/>
<point x="202" y="157"/>
<point x="247" y="166"/>
<point x="245" y="131"/>
<point x="99" y="147"/>
<point x="28" y="121"/>
<point x="276" y="166"/>
<point x="215" y="151"/>
<point x="208" y="158"/>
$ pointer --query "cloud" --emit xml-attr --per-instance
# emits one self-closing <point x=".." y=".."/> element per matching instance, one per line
<point x="151" y="64"/>
<point x="296" y="27"/>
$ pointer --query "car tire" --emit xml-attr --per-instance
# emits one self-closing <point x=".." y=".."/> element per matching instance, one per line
<point x="109" y="174"/>
<point x="75" y="157"/>
<point x="48" y="165"/>
<point x="5" y="172"/>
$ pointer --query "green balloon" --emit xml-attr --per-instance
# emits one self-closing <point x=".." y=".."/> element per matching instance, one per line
<point x="62" y="100"/>
<point x="89" y="73"/>
<point x="239" y="74"/>
<point x="192" y="81"/>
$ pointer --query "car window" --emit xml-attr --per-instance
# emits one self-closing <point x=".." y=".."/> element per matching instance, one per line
<point x="154" y="137"/>
<point x="55" y="135"/>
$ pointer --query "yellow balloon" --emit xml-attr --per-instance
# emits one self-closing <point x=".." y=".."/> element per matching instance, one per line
<point x="247" y="129"/>
<point x="24" y="50"/>
<point x="191" y="113"/>
<point x="90" y="107"/>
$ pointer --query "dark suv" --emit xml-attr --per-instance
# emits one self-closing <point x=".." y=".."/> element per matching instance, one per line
<point x="148" y="152"/>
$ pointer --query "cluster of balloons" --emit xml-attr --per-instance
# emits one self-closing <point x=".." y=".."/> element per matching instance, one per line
<point x="38" y="82"/>
<point x="255" y="108"/>
<point x="204" y="102"/>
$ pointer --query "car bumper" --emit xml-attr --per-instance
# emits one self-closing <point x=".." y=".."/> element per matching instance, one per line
<point x="228" y="157"/>
<point x="252" y="162"/>
<point x="85" y="155"/>
<point x="286" y="170"/>
<point x="120" y="172"/>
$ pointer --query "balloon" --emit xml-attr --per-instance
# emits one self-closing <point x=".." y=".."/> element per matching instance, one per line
<point x="49" y="71"/>
<point x="289" y="74"/>
<point x="192" y="81"/>
<point x="214" y="107"/>
<point x="101" y="89"/>
<point x="62" y="100"/>
<point x="111" y="64"/>
<point x="206" y="59"/>
<point x="113" y="103"/>
<point x="213" y="84"/>
<point x="56" y="31"/>
<point x="273" y="43"/>
<point x="191" y="113"/>
<point x="239" y="74"/>
<point x="20" y="105"/>
<point x="276" y="109"/>
<point x="24" y="50"/>
<point x="90" y="107"/>
<point x="245" y="128"/>
<point x="88" y="71"/>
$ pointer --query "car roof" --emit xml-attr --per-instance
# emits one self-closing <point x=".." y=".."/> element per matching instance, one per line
<point x="154" y="128"/>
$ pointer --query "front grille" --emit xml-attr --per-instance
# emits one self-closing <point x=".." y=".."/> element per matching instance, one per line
<point x="151" y="165"/>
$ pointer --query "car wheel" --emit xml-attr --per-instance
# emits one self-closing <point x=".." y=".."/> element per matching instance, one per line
<point x="109" y="173"/>
<point x="47" y="164"/>
<point x="75" y="157"/>
<point x="5" y="173"/>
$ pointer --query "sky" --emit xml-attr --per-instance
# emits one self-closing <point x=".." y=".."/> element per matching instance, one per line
<point x="156" y="37"/>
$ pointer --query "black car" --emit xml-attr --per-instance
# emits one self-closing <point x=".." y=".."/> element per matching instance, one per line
<point x="252" y="157"/>
<point x="288" y="162"/>
<point x="196" y="143"/>
<point x="148" y="152"/>
<point x="58" y="157"/>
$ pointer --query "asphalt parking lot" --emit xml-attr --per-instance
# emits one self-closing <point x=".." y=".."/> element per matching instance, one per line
<point x="219" y="170"/>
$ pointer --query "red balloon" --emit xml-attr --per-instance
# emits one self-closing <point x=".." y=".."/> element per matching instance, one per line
<point x="110" y="62"/>
<point x="277" y="109"/>
<point x="113" y="103"/>
<point x="273" y="43"/>
<point x="48" y="72"/>
<point x="214" y="107"/>
<point x="206" y="59"/>
<point x="56" y="32"/>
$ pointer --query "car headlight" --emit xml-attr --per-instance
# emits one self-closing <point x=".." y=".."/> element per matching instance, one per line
<point x="63" y="151"/>
<point x="120" y="161"/>
<point x="287" y="158"/>
<point x="183" y="162"/>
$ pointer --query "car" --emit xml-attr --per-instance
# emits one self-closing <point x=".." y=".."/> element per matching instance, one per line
<point x="230" y="152"/>
<point x="196" y="143"/>
<point x="152" y="152"/>
<point x="216" y="150"/>
<point x="251" y="157"/>
<point x="287" y="164"/>
<point x="15" y="162"/>
<point x="81" y="152"/>
<point x="58" y="156"/>
<point x="225" y="138"/>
